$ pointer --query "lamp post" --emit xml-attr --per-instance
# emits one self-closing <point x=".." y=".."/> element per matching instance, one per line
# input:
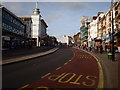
<point x="113" y="50"/>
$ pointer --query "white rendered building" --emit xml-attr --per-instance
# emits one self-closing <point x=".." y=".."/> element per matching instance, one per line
<point x="67" y="40"/>
<point x="92" y="32"/>
<point x="36" y="26"/>
<point x="100" y="31"/>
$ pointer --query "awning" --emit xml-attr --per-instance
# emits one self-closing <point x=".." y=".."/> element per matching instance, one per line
<point x="6" y="38"/>
<point x="107" y="38"/>
<point x="98" y="40"/>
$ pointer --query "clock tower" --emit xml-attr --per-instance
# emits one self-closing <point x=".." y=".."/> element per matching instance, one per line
<point x="36" y="25"/>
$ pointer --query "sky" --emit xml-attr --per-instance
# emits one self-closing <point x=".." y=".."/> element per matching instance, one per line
<point x="62" y="18"/>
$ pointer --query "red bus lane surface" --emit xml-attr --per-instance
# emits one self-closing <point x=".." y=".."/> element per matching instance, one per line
<point x="82" y="71"/>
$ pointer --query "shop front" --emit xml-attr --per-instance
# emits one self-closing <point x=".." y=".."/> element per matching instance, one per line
<point x="5" y="42"/>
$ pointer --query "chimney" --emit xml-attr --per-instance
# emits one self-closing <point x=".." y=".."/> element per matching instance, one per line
<point x="100" y="13"/>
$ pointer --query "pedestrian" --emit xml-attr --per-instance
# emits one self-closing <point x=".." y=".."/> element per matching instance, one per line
<point x="90" y="48"/>
<point x="106" y="48"/>
<point x="97" y="49"/>
<point x="78" y="45"/>
<point x="86" y="48"/>
<point x="101" y="49"/>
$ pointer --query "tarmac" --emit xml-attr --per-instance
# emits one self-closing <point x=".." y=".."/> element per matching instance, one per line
<point x="81" y="71"/>
<point x="110" y="68"/>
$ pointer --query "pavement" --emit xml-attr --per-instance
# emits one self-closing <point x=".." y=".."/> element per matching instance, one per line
<point x="17" y="55"/>
<point x="110" y="69"/>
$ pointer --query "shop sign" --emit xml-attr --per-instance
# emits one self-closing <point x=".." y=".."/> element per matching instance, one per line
<point x="6" y="38"/>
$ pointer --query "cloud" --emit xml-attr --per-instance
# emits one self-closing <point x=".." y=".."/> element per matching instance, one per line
<point x="17" y="8"/>
<point x="74" y="5"/>
<point x="52" y="17"/>
<point x="14" y="7"/>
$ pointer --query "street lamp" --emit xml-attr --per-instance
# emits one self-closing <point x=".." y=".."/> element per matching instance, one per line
<point x="113" y="50"/>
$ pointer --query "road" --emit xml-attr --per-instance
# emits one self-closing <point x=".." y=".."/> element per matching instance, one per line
<point x="81" y="71"/>
<point x="66" y="68"/>
<point x="19" y="74"/>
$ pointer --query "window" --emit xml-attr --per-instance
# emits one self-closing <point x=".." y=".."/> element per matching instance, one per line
<point x="3" y="14"/>
<point x="4" y="26"/>
<point x="11" y="19"/>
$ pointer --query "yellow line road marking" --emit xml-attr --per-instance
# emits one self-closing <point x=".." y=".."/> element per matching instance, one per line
<point x="45" y="75"/>
<point x="92" y="80"/>
<point x="76" y="81"/>
<point x="72" y="78"/>
<point x="101" y="78"/>
<point x="62" y="81"/>
<point x="65" y="63"/>
<point x="41" y="87"/>
<point x="23" y="87"/>
<point x="58" y="68"/>
<point x="55" y="77"/>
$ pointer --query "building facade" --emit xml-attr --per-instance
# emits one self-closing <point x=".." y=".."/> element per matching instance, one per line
<point x="44" y="33"/>
<point x="92" y="32"/>
<point x="77" y="38"/>
<point x="85" y="21"/>
<point x="104" y="29"/>
<point x="84" y="35"/>
<point x="43" y="29"/>
<point x="108" y="27"/>
<point x="13" y="29"/>
<point x="116" y="8"/>
<point x="28" y="22"/>
<point x="39" y="28"/>
<point x="67" y="40"/>
<point x="29" y="42"/>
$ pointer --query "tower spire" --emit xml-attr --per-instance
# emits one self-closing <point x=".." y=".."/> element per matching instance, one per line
<point x="36" y="10"/>
<point x="36" y="4"/>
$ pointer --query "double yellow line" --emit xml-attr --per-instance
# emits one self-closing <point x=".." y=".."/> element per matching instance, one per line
<point x="101" y="77"/>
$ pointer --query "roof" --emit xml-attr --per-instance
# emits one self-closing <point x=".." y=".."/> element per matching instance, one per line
<point x="44" y="23"/>
<point x="8" y="11"/>
<point x="25" y="18"/>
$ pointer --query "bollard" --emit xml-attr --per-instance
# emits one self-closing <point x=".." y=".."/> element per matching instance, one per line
<point x="109" y="55"/>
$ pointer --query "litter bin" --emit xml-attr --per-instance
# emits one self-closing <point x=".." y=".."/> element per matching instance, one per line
<point x="109" y="55"/>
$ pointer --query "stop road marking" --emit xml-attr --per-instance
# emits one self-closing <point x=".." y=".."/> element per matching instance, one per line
<point x="72" y="78"/>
